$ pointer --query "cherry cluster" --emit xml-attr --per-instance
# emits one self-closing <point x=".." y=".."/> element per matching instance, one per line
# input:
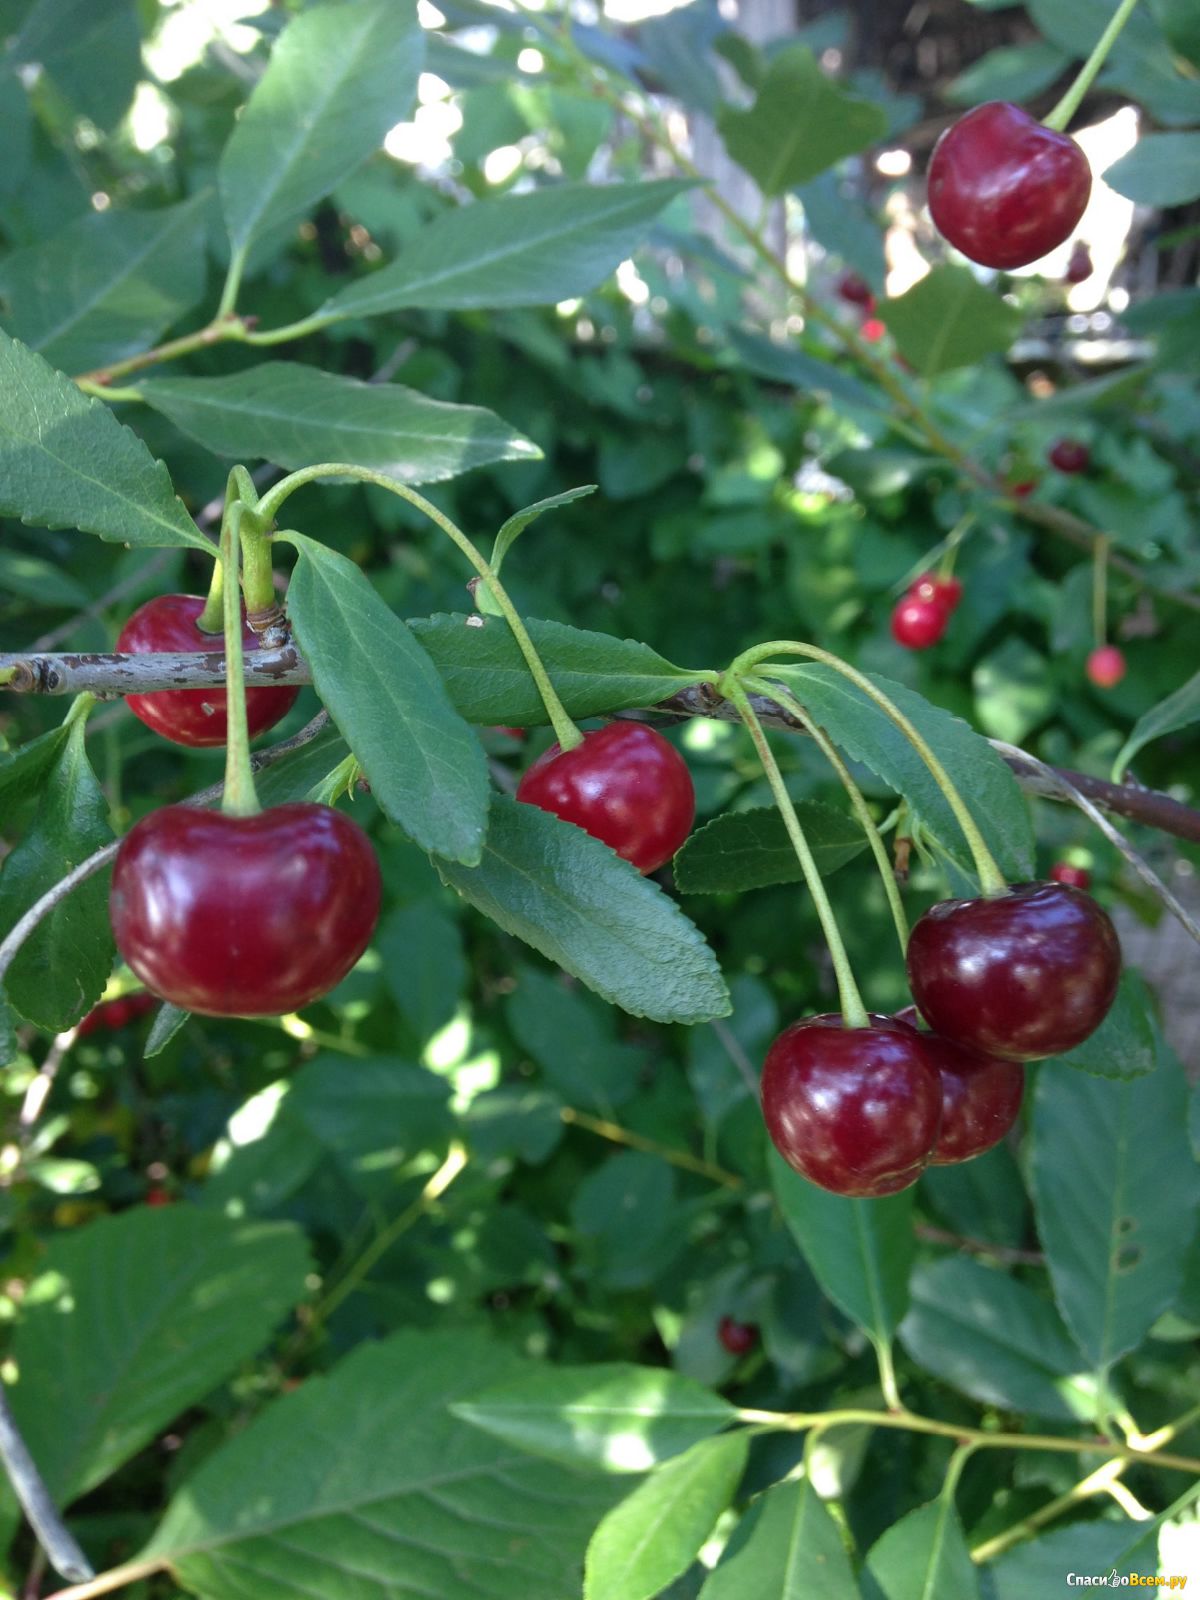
<point x="921" y="618"/>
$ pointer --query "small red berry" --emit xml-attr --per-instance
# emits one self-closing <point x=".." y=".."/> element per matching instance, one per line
<point x="625" y="785"/>
<point x="917" y="624"/>
<point x="1075" y="877"/>
<point x="944" y="592"/>
<point x="195" y="717"/>
<point x="873" y="330"/>
<point x="1106" y="666"/>
<point x="1079" y="267"/>
<point x="856" y="291"/>
<point x="157" y="1197"/>
<point x="113" y="1014"/>
<point x="1005" y="190"/>
<point x="1022" y="491"/>
<point x="1069" y="456"/>
<point x="739" y="1338"/>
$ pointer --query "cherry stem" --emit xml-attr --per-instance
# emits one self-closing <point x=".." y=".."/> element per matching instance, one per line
<point x="853" y="1010"/>
<point x="861" y="810"/>
<point x="240" y="798"/>
<point x="1100" y="589"/>
<point x="1070" y="102"/>
<point x="212" y="618"/>
<point x="991" y="880"/>
<point x="565" y="731"/>
<point x="953" y="539"/>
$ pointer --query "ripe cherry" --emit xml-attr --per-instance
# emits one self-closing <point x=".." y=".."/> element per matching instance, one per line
<point x="873" y="330"/>
<point x="1005" y="190"/>
<point x="157" y="1197"/>
<point x="1106" y="666"/>
<point x="111" y="1015"/>
<point x="854" y="1110"/>
<point x="1076" y="877"/>
<point x="244" y="916"/>
<point x="1079" y="267"/>
<point x="981" y="1096"/>
<point x="1069" y="456"/>
<point x="193" y="716"/>
<point x="918" y="623"/>
<point x="1022" y="975"/>
<point x="739" y="1338"/>
<point x="625" y="785"/>
<point x="856" y="291"/>
<point x="1022" y="490"/>
<point x="944" y="592"/>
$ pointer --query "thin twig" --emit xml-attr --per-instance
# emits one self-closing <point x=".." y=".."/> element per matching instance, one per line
<point x="1007" y="1253"/>
<point x="736" y="1054"/>
<point x="65" y="1555"/>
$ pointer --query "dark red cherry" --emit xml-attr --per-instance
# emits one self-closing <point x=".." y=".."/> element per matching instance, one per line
<point x="244" y="916"/>
<point x="944" y="592"/>
<point x="1005" y="190"/>
<point x="157" y="1197"/>
<point x="111" y="1015"/>
<point x="1077" y="877"/>
<point x="1106" y="666"/>
<point x="981" y="1096"/>
<point x="1026" y="974"/>
<point x="1022" y="491"/>
<point x="854" y="1110"/>
<point x="1079" y="267"/>
<point x="1069" y="456"/>
<point x="624" y="785"/>
<point x="856" y="291"/>
<point x="739" y="1338"/>
<point x="193" y="716"/>
<point x="917" y="623"/>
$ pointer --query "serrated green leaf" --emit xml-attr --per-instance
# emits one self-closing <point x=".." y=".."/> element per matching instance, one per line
<point x="949" y="320"/>
<point x="340" y="75"/>
<point x="487" y="678"/>
<point x="363" y="1482"/>
<point x="651" y="1537"/>
<point x="786" y="1547"/>
<point x="996" y="1340"/>
<point x="163" y="1029"/>
<point x="294" y="415"/>
<point x="66" y="462"/>
<point x="801" y="123"/>
<point x="861" y="1251"/>
<point x="576" y="901"/>
<point x="868" y="735"/>
<point x="163" y="1304"/>
<point x="423" y="965"/>
<point x="1116" y="1188"/>
<point x="1036" y="1566"/>
<point x="1124" y="1045"/>
<point x="1162" y="169"/>
<point x="1179" y="710"/>
<point x="24" y="771"/>
<point x="924" y="1556"/>
<point x="61" y="969"/>
<point x="515" y="525"/>
<point x="617" y="1417"/>
<point x="751" y="849"/>
<point x="297" y="773"/>
<point x="573" y="1040"/>
<point x="523" y="250"/>
<point x="425" y="766"/>
<point x="108" y="285"/>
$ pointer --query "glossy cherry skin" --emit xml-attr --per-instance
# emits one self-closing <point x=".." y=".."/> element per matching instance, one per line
<point x="1069" y="456"/>
<point x="1003" y="189"/>
<point x="244" y="916"/>
<point x="1077" y="877"/>
<point x="981" y="1098"/>
<point x="1106" y="666"/>
<point x="1079" y="267"/>
<point x="624" y="785"/>
<point x="944" y="592"/>
<point x="1023" y="975"/>
<point x="193" y="716"/>
<point x="854" y="1110"/>
<point x="856" y="291"/>
<point x="739" y="1338"/>
<point x="917" y="624"/>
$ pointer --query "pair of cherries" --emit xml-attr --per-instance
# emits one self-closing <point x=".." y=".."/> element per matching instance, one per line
<point x="1017" y="977"/>
<point x="921" y="618"/>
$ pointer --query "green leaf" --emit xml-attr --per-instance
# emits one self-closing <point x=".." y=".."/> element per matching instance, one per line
<point x="811" y="375"/>
<point x="786" y="1547"/>
<point x="1037" y="1566"/>
<point x="489" y="682"/>
<point x="515" y="525"/>
<point x="800" y="123"/>
<point x="922" y="1557"/>
<point x="861" y="1251"/>
<point x="340" y="75"/>
<point x="949" y="320"/>
<point x="61" y="969"/>
<point x="91" y="49"/>
<point x="24" y="772"/>
<point x="297" y="773"/>
<point x="1179" y="710"/>
<point x="165" y="1026"/>
<point x="163" y="1305"/>
<point x="1124" y="1045"/>
<point x="1012" y="72"/>
<point x="618" y="1417"/>
<point x="362" y="1483"/>
<point x="1162" y="169"/>
<point x="108" y="285"/>
<point x="425" y="766"/>
<point x="294" y="415"/>
<point x="651" y="1537"/>
<point x="423" y="965"/>
<point x="573" y="1040"/>
<point x="751" y="849"/>
<point x="39" y="581"/>
<point x="66" y="462"/>
<point x="576" y="901"/>
<point x="523" y="250"/>
<point x="16" y="131"/>
<point x="996" y="1340"/>
<point x="868" y="735"/>
<point x="1116" y="1188"/>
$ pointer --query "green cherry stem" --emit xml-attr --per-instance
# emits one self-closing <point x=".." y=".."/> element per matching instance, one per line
<point x="239" y="799"/>
<point x="565" y="731"/>
<point x="853" y="1009"/>
<point x="991" y="880"/>
<point x="1100" y="589"/>
<point x="1070" y="102"/>
<point x="212" y="618"/>
<point x="776" y="692"/>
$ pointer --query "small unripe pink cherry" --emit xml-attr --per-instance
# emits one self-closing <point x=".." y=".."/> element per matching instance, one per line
<point x="1106" y="666"/>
